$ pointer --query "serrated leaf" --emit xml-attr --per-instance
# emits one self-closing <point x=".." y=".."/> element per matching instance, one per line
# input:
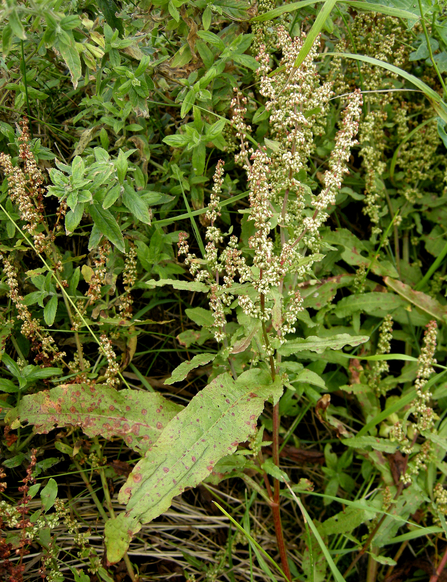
<point x="216" y="420"/>
<point x="184" y="369"/>
<point x="136" y="416"/>
<point x="320" y="344"/>
<point x="107" y="225"/>
<point x="180" y="285"/>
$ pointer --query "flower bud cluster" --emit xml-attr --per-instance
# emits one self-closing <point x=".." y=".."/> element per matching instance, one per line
<point x="99" y="273"/>
<point x="41" y="341"/>
<point x="424" y="413"/>
<point x="129" y="279"/>
<point x="228" y="262"/>
<point x="112" y="364"/>
<point x="383" y="347"/>
<point x="26" y="189"/>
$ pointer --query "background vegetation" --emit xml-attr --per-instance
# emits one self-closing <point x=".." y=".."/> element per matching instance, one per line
<point x="267" y="398"/>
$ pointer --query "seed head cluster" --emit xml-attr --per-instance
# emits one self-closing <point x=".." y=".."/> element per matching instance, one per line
<point x="282" y="207"/>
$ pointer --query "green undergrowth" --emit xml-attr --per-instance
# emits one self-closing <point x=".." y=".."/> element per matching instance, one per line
<point x="223" y="293"/>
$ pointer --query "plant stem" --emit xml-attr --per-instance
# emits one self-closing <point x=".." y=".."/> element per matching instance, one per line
<point x="440" y="568"/>
<point x="276" y="508"/>
<point x="371" y="574"/>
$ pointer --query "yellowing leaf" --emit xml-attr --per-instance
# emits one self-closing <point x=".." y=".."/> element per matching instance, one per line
<point x="216" y="420"/>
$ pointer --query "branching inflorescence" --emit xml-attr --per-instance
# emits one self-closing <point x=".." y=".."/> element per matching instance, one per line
<point x="279" y="199"/>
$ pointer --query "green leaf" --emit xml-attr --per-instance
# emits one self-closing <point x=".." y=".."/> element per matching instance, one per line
<point x="72" y="59"/>
<point x="73" y="218"/>
<point x="216" y="420"/>
<point x="203" y="317"/>
<point x="121" y="165"/>
<point x="199" y="159"/>
<point x="11" y="365"/>
<point x="136" y="416"/>
<point x="419" y="299"/>
<point x="320" y="344"/>
<point x="188" y="102"/>
<point x="8" y="386"/>
<point x="177" y="141"/>
<point x="377" y="444"/>
<point x="111" y="196"/>
<point x="215" y="130"/>
<point x="212" y="39"/>
<point x="180" y="285"/>
<point x="205" y="54"/>
<point x="49" y="313"/>
<point x="184" y="369"/>
<point x="14" y="461"/>
<point x="107" y="225"/>
<point x="133" y="201"/>
<point x="206" y="18"/>
<point x="49" y="494"/>
<point x="173" y="11"/>
<point x="109" y="10"/>
<point x="16" y="25"/>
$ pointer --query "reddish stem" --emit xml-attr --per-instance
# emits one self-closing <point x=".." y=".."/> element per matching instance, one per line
<point x="440" y="568"/>
<point x="276" y="508"/>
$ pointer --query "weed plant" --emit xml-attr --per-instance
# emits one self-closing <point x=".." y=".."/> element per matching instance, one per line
<point x="223" y="301"/>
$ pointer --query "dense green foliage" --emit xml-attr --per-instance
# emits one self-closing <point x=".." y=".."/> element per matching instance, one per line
<point x="223" y="248"/>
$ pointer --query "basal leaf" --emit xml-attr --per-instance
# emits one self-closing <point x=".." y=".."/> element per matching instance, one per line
<point x="136" y="416"/>
<point x="320" y="344"/>
<point x="216" y="420"/>
<point x="184" y="369"/>
<point x="107" y="225"/>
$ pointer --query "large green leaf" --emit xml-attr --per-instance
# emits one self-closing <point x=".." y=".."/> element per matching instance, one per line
<point x="106" y="223"/>
<point x="216" y="420"/>
<point x="320" y="344"/>
<point x="136" y="416"/>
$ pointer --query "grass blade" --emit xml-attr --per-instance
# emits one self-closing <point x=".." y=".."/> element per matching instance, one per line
<point x="323" y="15"/>
<point x="435" y="100"/>
<point x="335" y="571"/>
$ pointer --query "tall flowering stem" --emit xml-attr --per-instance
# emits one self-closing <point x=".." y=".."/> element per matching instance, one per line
<point x="286" y="216"/>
